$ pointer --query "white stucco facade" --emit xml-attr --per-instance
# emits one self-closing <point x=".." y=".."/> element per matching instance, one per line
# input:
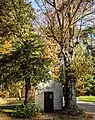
<point x="50" y="86"/>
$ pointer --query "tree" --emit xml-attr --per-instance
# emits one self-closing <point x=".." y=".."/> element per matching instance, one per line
<point x="26" y="64"/>
<point x="14" y="89"/>
<point x="84" y="70"/>
<point x="84" y="61"/>
<point x="25" y="61"/>
<point x="51" y="51"/>
<point x="15" y="20"/>
<point x="61" y="21"/>
<point x="88" y="35"/>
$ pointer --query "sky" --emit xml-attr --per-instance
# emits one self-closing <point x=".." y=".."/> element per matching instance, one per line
<point x="34" y="4"/>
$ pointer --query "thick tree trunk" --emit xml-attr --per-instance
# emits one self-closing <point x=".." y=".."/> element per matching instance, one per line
<point x="69" y="83"/>
<point x="70" y="94"/>
<point x="27" y="89"/>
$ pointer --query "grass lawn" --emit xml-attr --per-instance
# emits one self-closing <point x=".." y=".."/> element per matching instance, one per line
<point x="87" y="98"/>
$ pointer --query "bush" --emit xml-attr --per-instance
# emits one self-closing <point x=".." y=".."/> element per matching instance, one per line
<point x="29" y="110"/>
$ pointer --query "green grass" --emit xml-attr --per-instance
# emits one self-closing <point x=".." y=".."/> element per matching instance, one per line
<point x="87" y="98"/>
<point x="7" y="109"/>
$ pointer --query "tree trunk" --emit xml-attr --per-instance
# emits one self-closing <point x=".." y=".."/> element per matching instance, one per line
<point x="27" y="89"/>
<point x="70" y="94"/>
<point x="19" y="93"/>
<point x="68" y="79"/>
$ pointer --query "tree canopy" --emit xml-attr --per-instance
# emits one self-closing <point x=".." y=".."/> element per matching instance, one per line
<point x="25" y="60"/>
<point x="63" y="21"/>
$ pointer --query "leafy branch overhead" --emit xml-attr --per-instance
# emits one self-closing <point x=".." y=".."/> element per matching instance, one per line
<point x="23" y="62"/>
<point x="25" y="55"/>
<point x="15" y="19"/>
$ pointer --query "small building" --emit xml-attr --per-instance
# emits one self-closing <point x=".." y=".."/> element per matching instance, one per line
<point x="49" y="96"/>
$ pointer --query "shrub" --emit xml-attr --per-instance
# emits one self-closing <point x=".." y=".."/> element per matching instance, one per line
<point x="29" y="110"/>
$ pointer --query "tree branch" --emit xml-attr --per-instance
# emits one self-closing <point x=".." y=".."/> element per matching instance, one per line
<point x="83" y="17"/>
